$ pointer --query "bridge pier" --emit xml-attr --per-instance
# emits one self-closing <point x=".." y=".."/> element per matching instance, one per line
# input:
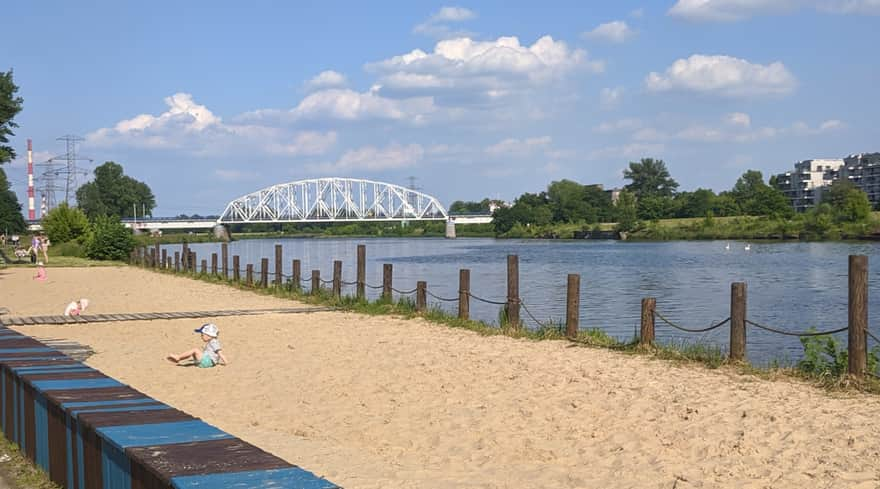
<point x="450" y="229"/>
<point x="221" y="232"/>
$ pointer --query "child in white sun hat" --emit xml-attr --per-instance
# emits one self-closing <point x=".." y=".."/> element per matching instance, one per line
<point x="208" y="356"/>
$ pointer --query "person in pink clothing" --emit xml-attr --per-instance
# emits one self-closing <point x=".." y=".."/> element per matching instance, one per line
<point x="76" y="308"/>
<point x="41" y="272"/>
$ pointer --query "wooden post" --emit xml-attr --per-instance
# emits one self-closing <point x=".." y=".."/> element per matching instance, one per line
<point x="213" y="263"/>
<point x="421" y="296"/>
<point x="164" y="257"/>
<point x="193" y="264"/>
<point x="168" y="263"/>
<point x="513" y="290"/>
<point x="158" y="254"/>
<point x="153" y="259"/>
<point x="177" y="262"/>
<point x="737" y="321"/>
<point x="278" y="267"/>
<point x="572" y="306"/>
<point x="204" y="267"/>
<point x="464" y="293"/>
<point x="249" y="275"/>
<point x="316" y="281"/>
<point x="297" y="274"/>
<point x="264" y="272"/>
<point x="387" y="277"/>
<point x="858" y="315"/>
<point x="224" y="259"/>
<point x="337" y="278"/>
<point x="236" y="270"/>
<point x="184" y="256"/>
<point x="646" y="336"/>
<point x="361" y="271"/>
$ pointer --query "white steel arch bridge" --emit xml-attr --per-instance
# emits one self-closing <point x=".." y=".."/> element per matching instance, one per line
<point x="333" y="200"/>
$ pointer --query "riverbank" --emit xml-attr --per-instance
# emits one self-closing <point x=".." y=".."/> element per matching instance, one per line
<point x="374" y="401"/>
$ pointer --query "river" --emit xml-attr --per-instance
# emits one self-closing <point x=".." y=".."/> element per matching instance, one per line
<point x="791" y="285"/>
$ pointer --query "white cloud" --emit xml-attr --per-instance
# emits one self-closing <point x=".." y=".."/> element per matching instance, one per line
<point x="631" y="150"/>
<point x="735" y="10"/>
<point x="372" y="159"/>
<point x="610" y="97"/>
<point x="326" y="79"/>
<point x="228" y="175"/>
<point x="637" y="13"/>
<point x="617" y="31"/>
<point x="804" y="129"/>
<point x="723" y="75"/>
<point x="192" y="127"/>
<point x="739" y="119"/>
<point x="349" y="105"/>
<point x="518" y="147"/>
<point x="620" y="125"/>
<point x="436" y="26"/>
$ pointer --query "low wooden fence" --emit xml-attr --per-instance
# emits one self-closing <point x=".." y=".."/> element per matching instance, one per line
<point x="185" y="261"/>
<point x="89" y="431"/>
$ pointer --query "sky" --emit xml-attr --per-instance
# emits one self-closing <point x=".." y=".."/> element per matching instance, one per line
<point x="207" y="101"/>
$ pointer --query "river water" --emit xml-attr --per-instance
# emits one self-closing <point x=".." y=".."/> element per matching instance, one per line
<point x="791" y="285"/>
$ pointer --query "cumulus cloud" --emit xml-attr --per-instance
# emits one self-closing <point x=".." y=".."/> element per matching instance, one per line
<point x="617" y="32"/>
<point x="436" y="25"/>
<point x="518" y="147"/>
<point x="326" y="79"/>
<point x="735" y="10"/>
<point x="373" y="159"/>
<point x="723" y="75"/>
<point x="804" y="129"/>
<point x="192" y="127"/>
<point x="349" y="105"/>
<point x="632" y="150"/>
<point x="739" y="119"/>
<point x="610" y="97"/>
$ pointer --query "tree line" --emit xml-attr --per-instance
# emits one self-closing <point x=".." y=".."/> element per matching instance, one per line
<point x="652" y="194"/>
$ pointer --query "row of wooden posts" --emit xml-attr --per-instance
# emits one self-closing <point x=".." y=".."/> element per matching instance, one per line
<point x="186" y="260"/>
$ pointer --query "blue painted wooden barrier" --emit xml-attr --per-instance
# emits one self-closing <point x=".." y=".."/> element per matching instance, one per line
<point x="87" y="430"/>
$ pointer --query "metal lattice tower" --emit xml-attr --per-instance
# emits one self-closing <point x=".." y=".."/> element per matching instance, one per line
<point x="333" y="200"/>
<point x="63" y="167"/>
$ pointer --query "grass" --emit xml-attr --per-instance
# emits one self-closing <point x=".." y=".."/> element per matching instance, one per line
<point x="683" y="352"/>
<point x="56" y="260"/>
<point x="19" y="471"/>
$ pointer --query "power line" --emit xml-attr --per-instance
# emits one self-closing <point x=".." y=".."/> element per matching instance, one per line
<point x="60" y="173"/>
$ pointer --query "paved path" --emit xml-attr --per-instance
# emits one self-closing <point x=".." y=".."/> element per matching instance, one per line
<point x="149" y="316"/>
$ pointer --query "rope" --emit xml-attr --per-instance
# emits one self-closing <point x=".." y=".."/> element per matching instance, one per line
<point x="348" y="283"/>
<point x="543" y="325"/>
<point x="689" y="330"/>
<point x="487" y="301"/>
<point x="326" y="281"/>
<point x="374" y="287"/>
<point x="407" y="292"/>
<point x="872" y="335"/>
<point x="789" y="333"/>
<point x="443" y="299"/>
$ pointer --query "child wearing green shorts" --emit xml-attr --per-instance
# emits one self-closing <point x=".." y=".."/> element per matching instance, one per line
<point x="208" y="356"/>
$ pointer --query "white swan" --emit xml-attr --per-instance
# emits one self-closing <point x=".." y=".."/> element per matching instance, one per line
<point x="748" y="246"/>
<point x="727" y="246"/>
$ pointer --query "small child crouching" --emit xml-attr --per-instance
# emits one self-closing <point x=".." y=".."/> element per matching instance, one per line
<point x="208" y="356"/>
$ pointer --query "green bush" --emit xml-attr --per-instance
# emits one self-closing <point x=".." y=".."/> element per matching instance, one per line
<point x="71" y="248"/>
<point x="64" y="223"/>
<point x="824" y="356"/>
<point x="109" y="240"/>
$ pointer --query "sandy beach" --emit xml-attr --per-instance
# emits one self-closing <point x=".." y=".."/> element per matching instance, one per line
<point x="380" y="402"/>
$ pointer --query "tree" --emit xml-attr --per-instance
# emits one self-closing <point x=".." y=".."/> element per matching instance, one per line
<point x="469" y="207"/>
<point x="695" y="204"/>
<point x="64" y="223"/>
<point x="849" y="203"/>
<point x="649" y="177"/>
<point x="11" y="219"/>
<point x="625" y="211"/>
<point x="10" y="106"/>
<point x="112" y="193"/>
<point x="567" y="202"/>
<point x="109" y="239"/>
<point x="756" y="198"/>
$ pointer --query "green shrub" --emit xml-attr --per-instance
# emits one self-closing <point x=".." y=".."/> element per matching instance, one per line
<point x="824" y="356"/>
<point x="109" y="240"/>
<point x="71" y="248"/>
<point x="64" y="223"/>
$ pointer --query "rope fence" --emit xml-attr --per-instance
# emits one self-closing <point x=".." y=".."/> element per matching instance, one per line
<point x="186" y="261"/>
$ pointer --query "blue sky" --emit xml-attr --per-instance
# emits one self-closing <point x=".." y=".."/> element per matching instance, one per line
<point x="206" y="101"/>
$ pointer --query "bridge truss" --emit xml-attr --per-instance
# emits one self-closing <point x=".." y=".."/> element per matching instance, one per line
<point x="333" y="200"/>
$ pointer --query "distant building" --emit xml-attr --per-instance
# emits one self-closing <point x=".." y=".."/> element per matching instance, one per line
<point x="615" y="194"/>
<point x="805" y="184"/>
<point x="863" y="170"/>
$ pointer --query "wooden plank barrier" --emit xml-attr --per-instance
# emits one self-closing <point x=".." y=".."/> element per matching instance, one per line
<point x="87" y="430"/>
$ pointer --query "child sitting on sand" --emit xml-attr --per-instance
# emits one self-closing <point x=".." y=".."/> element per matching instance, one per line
<point x="76" y="308"/>
<point x="210" y="355"/>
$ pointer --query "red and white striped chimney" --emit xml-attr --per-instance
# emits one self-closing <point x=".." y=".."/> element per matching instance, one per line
<point x="31" y="212"/>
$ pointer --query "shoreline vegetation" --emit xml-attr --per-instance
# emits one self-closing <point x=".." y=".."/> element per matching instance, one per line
<point x="823" y="364"/>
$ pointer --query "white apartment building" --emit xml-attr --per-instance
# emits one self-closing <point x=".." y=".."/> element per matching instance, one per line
<point x="804" y="185"/>
<point x="863" y="170"/>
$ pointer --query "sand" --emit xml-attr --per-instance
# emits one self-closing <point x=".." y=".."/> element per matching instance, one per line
<point x="372" y="402"/>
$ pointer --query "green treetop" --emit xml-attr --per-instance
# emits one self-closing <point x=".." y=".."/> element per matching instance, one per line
<point x="112" y="193"/>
